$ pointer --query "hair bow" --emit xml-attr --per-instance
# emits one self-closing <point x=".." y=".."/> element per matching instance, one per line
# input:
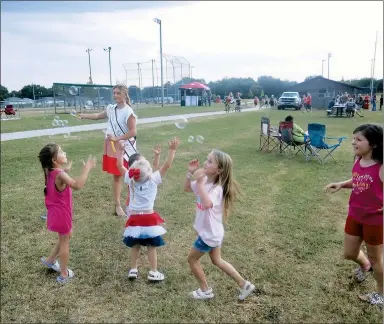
<point x="134" y="173"/>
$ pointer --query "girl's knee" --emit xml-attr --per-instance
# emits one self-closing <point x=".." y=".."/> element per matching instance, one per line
<point x="216" y="261"/>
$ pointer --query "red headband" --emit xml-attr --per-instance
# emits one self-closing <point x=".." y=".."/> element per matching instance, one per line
<point x="134" y="173"/>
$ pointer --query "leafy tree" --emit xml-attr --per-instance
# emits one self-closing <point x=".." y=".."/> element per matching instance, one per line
<point x="4" y="94"/>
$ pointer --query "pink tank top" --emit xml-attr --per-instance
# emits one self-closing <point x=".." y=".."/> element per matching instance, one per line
<point x="59" y="206"/>
<point x="367" y="194"/>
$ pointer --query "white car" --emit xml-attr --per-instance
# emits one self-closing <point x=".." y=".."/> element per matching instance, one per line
<point x="289" y="100"/>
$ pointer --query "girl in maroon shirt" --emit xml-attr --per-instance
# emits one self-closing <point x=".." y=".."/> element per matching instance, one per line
<point x="365" y="215"/>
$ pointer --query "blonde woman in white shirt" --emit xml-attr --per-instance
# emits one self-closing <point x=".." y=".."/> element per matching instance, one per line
<point x="215" y="190"/>
<point x="121" y="127"/>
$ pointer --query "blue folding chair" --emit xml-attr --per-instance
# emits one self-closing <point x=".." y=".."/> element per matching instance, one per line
<point x="316" y="134"/>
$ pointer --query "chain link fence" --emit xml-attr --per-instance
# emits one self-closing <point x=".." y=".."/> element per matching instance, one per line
<point x="68" y="96"/>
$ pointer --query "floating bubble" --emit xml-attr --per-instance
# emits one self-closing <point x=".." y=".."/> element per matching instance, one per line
<point x="57" y="117"/>
<point x="191" y="139"/>
<point x="181" y="122"/>
<point x="200" y="139"/>
<point x="68" y="135"/>
<point x="73" y="113"/>
<point x="73" y="90"/>
<point x="65" y="122"/>
<point x="55" y="122"/>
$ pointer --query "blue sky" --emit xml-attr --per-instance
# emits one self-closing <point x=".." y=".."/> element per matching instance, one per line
<point x="46" y="42"/>
<point x="83" y="6"/>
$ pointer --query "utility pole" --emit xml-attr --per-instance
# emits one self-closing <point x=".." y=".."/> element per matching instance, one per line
<point x="329" y="56"/>
<point x="373" y="67"/>
<point x="109" y="58"/>
<point x="89" y="62"/>
<point x="158" y="21"/>
<point x="138" y="71"/>
<point x="153" y="81"/>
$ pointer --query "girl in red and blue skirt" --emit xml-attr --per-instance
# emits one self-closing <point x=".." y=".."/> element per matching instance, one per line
<point x="144" y="225"/>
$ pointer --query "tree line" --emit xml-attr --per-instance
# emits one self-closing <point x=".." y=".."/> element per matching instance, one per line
<point x="249" y="87"/>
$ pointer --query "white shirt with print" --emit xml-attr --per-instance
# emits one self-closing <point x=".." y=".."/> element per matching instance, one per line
<point x="209" y="222"/>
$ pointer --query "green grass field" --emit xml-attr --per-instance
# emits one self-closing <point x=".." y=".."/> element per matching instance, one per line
<point x="285" y="235"/>
<point x="31" y="119"/>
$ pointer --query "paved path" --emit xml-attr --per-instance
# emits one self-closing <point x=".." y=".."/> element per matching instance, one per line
<point x="91" y="127"/>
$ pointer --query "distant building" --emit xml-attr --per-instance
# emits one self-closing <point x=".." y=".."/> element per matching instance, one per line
<point x="323" y="90"/>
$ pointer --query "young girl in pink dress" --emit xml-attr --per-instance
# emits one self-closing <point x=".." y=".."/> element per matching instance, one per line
<point x="58" y="201"/>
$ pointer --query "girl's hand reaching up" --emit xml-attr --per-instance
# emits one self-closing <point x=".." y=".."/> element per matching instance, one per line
<point x="174" y="143"/>
<point x="193" y="165"/>
<point x="157" y="149"/>
<point x="199" y="176"/>
<point x="91" y="163"/>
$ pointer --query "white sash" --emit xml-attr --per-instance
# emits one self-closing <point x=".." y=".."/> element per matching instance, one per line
<point x="130" y="147"/>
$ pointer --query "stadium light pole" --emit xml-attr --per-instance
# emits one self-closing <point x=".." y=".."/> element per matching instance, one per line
<point x="158" y="21"/>
<point x="108" y="49"/>
<point x="329" y="56"/>
<point x="89" y="62"/>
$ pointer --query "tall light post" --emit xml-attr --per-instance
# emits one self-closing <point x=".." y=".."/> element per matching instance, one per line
<point x="329" y="56"/>
<point x="322" y="67"/>
<point x="158" y="21"/>
<point x="108" y="49"/>
<point x="89" y="62"/>
<point x="373" y="66"/>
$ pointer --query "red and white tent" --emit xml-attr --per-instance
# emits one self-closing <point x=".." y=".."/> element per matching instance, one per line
<point x="194" y="85"/>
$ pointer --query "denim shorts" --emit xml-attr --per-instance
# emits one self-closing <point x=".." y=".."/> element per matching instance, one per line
<point x="199" y="245"/>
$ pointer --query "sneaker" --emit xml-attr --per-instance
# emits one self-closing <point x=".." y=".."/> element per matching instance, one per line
<point x="199" y="294"/>
<point x="246" y="290"/>
<point x="155" y="276"/>
<point x="360" y="275"/>
<point x="62" y="280"/>
<point x="373" y="298"/>
<point x="54" y="266"/>
<point x="132" y="274"/>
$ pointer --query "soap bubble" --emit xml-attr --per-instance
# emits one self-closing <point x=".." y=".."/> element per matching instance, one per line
<point x="67" y="135"/>
<point x="191" y="139"/>
<point x="73" y="113"/>
<point x="200" y="139"/>
<point x="55" y="122"/>
<point x="57" y="117"/>
<point x="73" y="90"/>
<point x="181" y="122"/>
<point x="65" y="122"/>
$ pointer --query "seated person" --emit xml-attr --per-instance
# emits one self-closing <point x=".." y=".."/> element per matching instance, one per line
<point x="297" y="132"/>
<point x="330" y="106"/>
<point x="350" y="108"/>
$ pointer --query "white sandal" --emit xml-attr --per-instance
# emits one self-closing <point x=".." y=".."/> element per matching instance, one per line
<point x="199" y="294"/>
<point x="155" y="276"/>
<point x="132" y="274"/>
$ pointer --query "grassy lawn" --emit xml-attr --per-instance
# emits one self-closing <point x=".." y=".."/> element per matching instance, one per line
<point x="31" y="120"/>
<point x="285" y="235"/>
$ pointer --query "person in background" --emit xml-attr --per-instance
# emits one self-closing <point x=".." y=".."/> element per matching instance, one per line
<point x="373" y="102"/>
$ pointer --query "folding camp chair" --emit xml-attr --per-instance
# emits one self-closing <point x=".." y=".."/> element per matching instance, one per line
<point x="269" y="139"/>
<point x="287" y="143"/>
<point x="316" y="133"/>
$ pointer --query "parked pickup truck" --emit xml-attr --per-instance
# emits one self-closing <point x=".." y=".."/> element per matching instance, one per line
<point x="289" y="100"/>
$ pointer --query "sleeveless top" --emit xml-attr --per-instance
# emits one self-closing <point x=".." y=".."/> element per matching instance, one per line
<point x="367" y="194"/>
<point x="59" y="205"/>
